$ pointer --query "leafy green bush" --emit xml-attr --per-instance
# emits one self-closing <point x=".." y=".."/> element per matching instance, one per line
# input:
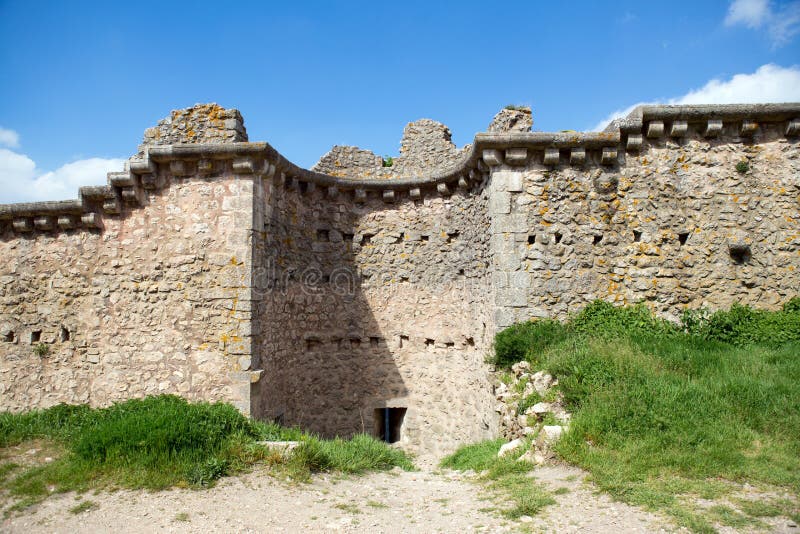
<point x="524" y="340"/>
<point x="742" y="325"/>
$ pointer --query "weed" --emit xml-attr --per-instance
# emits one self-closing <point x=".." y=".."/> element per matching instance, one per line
<point x="41" y="349"/>
<point x="388" y="161"/>
<point x="515" y="107"/>
<point x="742" y="166"/>
<point x="182" y="516"/>
<point x="83" y="506"/>
<point x="348" y="507"/>
<point x="563" y="490"/>
<point x="376" y="504"/>
<point x="507" y="477"/>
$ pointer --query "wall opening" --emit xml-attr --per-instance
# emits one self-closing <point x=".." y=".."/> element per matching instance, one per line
<point x="452" y="236"/>
<point x="740" y="254"/>
<point x="9" y="337"/>
<point x="36" y="336"/>
<point x="389" y="424"/>
<point x="323" y="235"/>
<point x="682" y="237"/>
<point x="366" y="238"/>
<point x="424" y="238"/>
<point x="403" y="341"/>
<point x="596" y="239"/>
<point x="65" y="335"/>
<point x="558" y="237"/>
<point x="532" y="239"/>
<point x="374" y="342"/>
<point x="637" y="236"/>
<point x="348" y="238"/>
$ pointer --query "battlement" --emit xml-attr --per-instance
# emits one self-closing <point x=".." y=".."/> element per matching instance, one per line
<point x="207" y="140"/>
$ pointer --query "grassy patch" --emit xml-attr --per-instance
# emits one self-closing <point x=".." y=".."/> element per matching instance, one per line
<point x="165" y="441"/>
<point x="664" y="412"/>
<point x="182" y="516"/>
<point x="508" y="478"/>
<point x="83" y="506"/>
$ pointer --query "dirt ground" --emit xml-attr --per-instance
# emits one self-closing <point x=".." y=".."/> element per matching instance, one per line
<point x="392" y="502"/>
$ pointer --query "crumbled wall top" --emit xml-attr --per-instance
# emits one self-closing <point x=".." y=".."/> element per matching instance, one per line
<point x="512" y="119"/>
<point x="201" y="123"/>
<point x="426" y="146"/>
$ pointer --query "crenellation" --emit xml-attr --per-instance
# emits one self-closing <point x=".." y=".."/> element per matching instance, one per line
<point x="216" y="269"/>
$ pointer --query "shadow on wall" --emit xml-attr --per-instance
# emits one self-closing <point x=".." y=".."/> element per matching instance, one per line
<point x="327" y="365"/>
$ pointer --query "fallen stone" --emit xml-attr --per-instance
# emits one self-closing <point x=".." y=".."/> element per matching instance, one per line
<point x="509" y="448"/>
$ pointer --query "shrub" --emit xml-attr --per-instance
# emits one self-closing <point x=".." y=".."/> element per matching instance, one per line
<point x="525" y="340"/>
<point x="743" y="166"/>
<point x="388" y="161"/>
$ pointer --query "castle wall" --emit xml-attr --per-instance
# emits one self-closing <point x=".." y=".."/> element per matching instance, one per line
<point x="674" y="225"/>
<point x="215" y="269"/>
<point x="370" y="305"/>
<point x="146" y="304"/>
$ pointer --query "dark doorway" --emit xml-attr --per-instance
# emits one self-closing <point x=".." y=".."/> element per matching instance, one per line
<point x="389" y="423"/>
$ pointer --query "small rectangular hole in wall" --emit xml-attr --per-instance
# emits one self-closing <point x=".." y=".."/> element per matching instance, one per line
<point x="461" y="272"/>
<point x="355" y="343"/>
<point x="366" y="238"/>
<point x="452" y="236"/>
<point x="313" y="344"/>
<point x="338" y="341"/>
<point x="429" y="342"/>
<point x="558" y="237"/>
<point x="374" y="342"/>
<point x="326" y="279"/>
<point x="596" y="239"/>
<point x="403" y="341"/>
<point x="740" y="255"/>
<point x="348" y="238"/>
<point x="402" y="237"/>
<point x="450" y="344"/>
<point x="65" y="335"/>
<point x="682" y="237"/>
<point x="424" y="238"/>
<point x="36" y="336"/>
<point x="389" y="424"/>
<point x="637" y="236"/>
<point x="470" y="342"/>
<point x="303" y="187"/>
<point x="323" y="235"/>
<point x="9" y="337"/>
<point x="532" y="239"/>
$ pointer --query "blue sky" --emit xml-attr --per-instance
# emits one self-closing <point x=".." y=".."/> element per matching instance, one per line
<point x="82" y="80"/>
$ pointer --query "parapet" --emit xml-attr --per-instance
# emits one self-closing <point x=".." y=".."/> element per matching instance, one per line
<point x="206" y="140"/>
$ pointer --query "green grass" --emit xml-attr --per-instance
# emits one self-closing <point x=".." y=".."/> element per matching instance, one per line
<point x="508" y="478"/>
<point x="664" y="412"/>
<point x="165" y="441"/>
<point x="83" y="506"/>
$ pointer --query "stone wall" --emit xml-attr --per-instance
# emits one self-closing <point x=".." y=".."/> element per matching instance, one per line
<point x="145" y="305"/>
<point x="216" y="269"/>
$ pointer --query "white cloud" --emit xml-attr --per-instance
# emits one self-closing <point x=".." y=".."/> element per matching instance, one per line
<point x="781" y="24"/>
<point x="770" y="83"/>
<point x="21" y="181"/>
<point x="9" y="138"/>
<point x="751" y="13"/>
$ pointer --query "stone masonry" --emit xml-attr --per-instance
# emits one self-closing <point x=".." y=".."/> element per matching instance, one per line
<point x="212" y="267"/>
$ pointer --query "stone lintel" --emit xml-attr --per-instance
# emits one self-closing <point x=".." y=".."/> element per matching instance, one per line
<point x="443" y="189"/>
<point x="551" y="156"/>
<point x="492" y="157"/>
<point x="415" y="193"/>
<point x="577" y="156"/>
<point x="43" y="223"/>
<point x="749" y="128"/>
<point x="243" y="166"/>
<point x="655" y="129"/>
<point x="634" y="142"/>
<point x="678" y="129"/>
<point x="516" y="156"/>
<point x="66" y="222"/>
<point x="388" y="196"/>
<point x="713" y="128"/>
<point x="793" y="127"/>
<point x="91" y="220"/>
<point x="609" y="155"/>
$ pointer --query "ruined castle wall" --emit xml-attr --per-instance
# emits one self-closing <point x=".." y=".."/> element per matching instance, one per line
<point x="373" y="304"/>
<point x="146" y="304"/>
<point x="673" y="224"/>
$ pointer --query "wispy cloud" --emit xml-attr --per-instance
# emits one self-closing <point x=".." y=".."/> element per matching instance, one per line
<point x="780" y="23"/>
<point x="770" y="83"/>
<point x="22" y="181"/>
<point x="9" y="138"/>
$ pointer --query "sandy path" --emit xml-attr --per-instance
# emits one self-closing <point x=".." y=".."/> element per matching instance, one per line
<point x="394" y="502"/>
